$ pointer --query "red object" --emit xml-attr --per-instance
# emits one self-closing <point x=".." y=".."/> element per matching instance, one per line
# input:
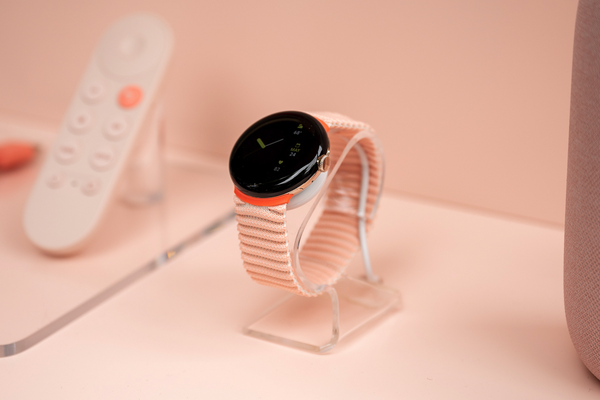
<point x="15" y="154"/>
<point x="130" y="96"/>
<point x="267" y="202"/>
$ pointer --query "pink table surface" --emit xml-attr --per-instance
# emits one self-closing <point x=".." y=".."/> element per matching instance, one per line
<point x="482" y="318"/>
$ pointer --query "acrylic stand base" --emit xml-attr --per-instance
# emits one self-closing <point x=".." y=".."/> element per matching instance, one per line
<point x="318" y="324"/>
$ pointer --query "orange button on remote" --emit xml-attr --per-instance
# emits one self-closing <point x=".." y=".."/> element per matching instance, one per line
<point x="130" y="96"/>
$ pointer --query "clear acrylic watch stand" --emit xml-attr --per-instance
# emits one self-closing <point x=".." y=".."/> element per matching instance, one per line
<point x="144" y="176"/>
<point x="318" y="324"/>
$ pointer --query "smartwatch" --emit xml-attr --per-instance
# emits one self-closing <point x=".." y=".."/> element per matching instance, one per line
<point x="281" y="162"/>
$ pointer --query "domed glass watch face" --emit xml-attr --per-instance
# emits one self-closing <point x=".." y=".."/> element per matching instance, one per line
<point x="277" y="154"/>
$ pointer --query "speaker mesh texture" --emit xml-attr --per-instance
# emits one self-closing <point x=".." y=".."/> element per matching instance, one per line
<point x="582" y="220"/>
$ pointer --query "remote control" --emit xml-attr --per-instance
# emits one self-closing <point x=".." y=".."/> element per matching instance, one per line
<point x="79" y="176"/>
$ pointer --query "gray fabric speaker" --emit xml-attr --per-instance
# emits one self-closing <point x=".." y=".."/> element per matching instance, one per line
<point x="582" y="219"/>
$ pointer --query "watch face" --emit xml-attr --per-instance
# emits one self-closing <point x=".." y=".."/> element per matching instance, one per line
<point x="277" y="154"/>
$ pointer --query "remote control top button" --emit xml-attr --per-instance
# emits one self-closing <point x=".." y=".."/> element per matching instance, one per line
<point x="103" y="159"/>
<point x="115" y="128"/>
<point x="130" y="96"/>
<point x="54" y="180"/>
<point x="90" y="187"/>
<point x="132" y="46"/>
<point x="81" y="121"/>
<point x="67" y="152"/>
<point x="93" y="92"/>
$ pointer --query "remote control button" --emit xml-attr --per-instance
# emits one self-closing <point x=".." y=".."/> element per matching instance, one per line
<point x="132" y="45"/>
<point x="54" y="180"/>
<point x="81" y="121"/>
<point x="130" y="96"/>
<point x="90" y="187"/>
<point x="67" y="152"/>
<point x="115" y="128"/>
<point x="103" y="158"/>
<point x="93" y="92"/>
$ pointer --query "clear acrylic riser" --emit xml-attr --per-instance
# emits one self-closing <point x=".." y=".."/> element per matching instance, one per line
<point x="353" y="303"/>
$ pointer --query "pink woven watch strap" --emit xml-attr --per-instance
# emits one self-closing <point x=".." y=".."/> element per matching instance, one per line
<point x="334" y="240"/>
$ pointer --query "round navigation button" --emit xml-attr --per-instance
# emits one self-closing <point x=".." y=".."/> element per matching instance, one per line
<point x="103" y="159"/>
<point x="90" y="187"/>
<point x="67" y="152"/>
<point x="81" y="121"/>
<point x="115" y="128"/>
<point x="93" y="92"/>
<point x="133" y="45"/>
<point x="54" y="180"/>
<point x="130" y="96"/>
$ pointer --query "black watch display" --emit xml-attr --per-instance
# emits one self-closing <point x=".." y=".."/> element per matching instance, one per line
<point x="278" y="154"/>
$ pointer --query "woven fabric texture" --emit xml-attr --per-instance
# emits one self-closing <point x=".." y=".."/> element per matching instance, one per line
<point x="582" y="220"/>
<point x="263" y="234"/>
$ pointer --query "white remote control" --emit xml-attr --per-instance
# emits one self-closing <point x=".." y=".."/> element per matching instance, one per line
<point x="82" y="168"/>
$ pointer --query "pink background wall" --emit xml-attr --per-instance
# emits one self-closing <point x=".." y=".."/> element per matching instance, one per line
<point x="470" y="97"/>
